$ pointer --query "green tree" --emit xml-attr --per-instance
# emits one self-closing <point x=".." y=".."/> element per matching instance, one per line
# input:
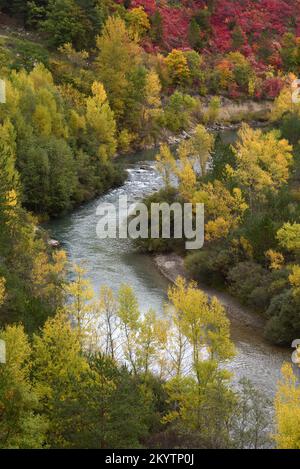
<point x="290" y="53"/>
<point x="195" y="35"/>
<point x="178" y="111"/>
<point x="65" y="22"/>
<point x="21" y="424"/>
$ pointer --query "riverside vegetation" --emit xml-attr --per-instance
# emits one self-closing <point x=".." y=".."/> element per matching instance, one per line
<point x="97" y="78"/>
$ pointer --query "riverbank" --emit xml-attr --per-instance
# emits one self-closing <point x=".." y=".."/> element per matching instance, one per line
<point x="172" y="265"/>
<point x="112" y="262"/>
<point x="231" y="116"/>
<point x="256" y="358"/>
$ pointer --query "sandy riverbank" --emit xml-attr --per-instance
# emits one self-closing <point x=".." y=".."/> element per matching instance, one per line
<point x="172" y="266"/>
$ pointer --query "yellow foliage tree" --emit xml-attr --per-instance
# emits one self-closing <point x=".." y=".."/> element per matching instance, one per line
<point x="80" y="307"/>
<point x="289" y="236"/>
<point x="166" y="164"/>
<point x="287" y="410"/>
<point x="138" y="21"/>
<point x="21" y="426"/>
<point x="185" y="172"/>
<point x="129" y="316"/>
<point x="284" y="103"/>
<point x="202" y="144"/>
<point x="152" y="107"/>
<point x="178" y="67"/>
<point x="224" y="209"/>
<point x="276" y="259"/>
<point x="48" y="277"/>
<point x="118" y="54"/>
<point x="203" y="322"/>
<point x="262" y="162"/>
<point x="2" y="290"/>
<point x="100" y="118"/>
<point x="294" y="279"/>
<point x="152" y="339"/>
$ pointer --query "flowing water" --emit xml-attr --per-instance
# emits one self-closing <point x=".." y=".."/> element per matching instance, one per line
<point x="115" y="261"/>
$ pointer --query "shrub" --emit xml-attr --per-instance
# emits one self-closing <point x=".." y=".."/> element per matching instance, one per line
<point x="247" y="279"/>
<point x="283" y="325"/>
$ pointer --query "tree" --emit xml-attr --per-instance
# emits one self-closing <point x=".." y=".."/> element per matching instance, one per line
<point x="204" y="322"/>
<point x="108" y="308"/>
<point x="59" y="372"/>
<point x="251" y="420"/>
<point x="118" y="55"/>
<point x="213" y="110"/>
<point x="289" y="237"/>
<point x="129" y="316"/>
<point x="224" y="209"/>
<point x="284" y="105"/>
<point x="241" y="68"/>
<point x="294" y="279"/>
<point x="185" y="172"/>
<point x="156" y="30"/>
<point x="178" y="67"/>
<point x="8" y="174"/>
<point x="202" y="143"/>
<point x="283" y="313"/>
<point x="275" y="259"/>
<point x="262" y="163"/>
<point x="238" y="37"/>
<point x="152" y="339"/>
<point x="119" y="412"/>
<point x="100" y="119"/>
<point x="202" y="403"/>
<point x="196" y="67"/>
<point x="44" y="156"/>
<point x="138" y="21"/>
<point x="195" y="35"/>
<point x="290" y="53"/>
<point x="2" y="290"/>
<point x="21" y="424"/>
<point x="166" y="164"/>
<point x="178" y="111"/>
<point x="201" y="411"/>
<point x="287" y="409"/>
<point x="65" y="22"/>
<point x="80" y="308"/>
<point x="48" y="277"/>
<point x="152" y="106"/>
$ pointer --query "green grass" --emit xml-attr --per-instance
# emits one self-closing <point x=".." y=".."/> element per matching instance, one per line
<point x="23" y="53"/>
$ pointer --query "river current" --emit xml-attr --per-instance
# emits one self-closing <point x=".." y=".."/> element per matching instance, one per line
<point x="112" y="262"/>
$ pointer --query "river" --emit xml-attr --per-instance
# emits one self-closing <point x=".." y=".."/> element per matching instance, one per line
<point x="115" y="261"/>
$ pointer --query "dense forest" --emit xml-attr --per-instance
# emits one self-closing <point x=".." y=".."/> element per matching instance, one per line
<point x="87" y="82"/>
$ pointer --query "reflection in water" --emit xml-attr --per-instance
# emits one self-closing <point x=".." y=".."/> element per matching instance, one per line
<point x="113" y="262"/>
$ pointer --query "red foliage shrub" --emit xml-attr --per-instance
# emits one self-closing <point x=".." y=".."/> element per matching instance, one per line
<point x="255" y="19"/>
<point x="272" y="87"/>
